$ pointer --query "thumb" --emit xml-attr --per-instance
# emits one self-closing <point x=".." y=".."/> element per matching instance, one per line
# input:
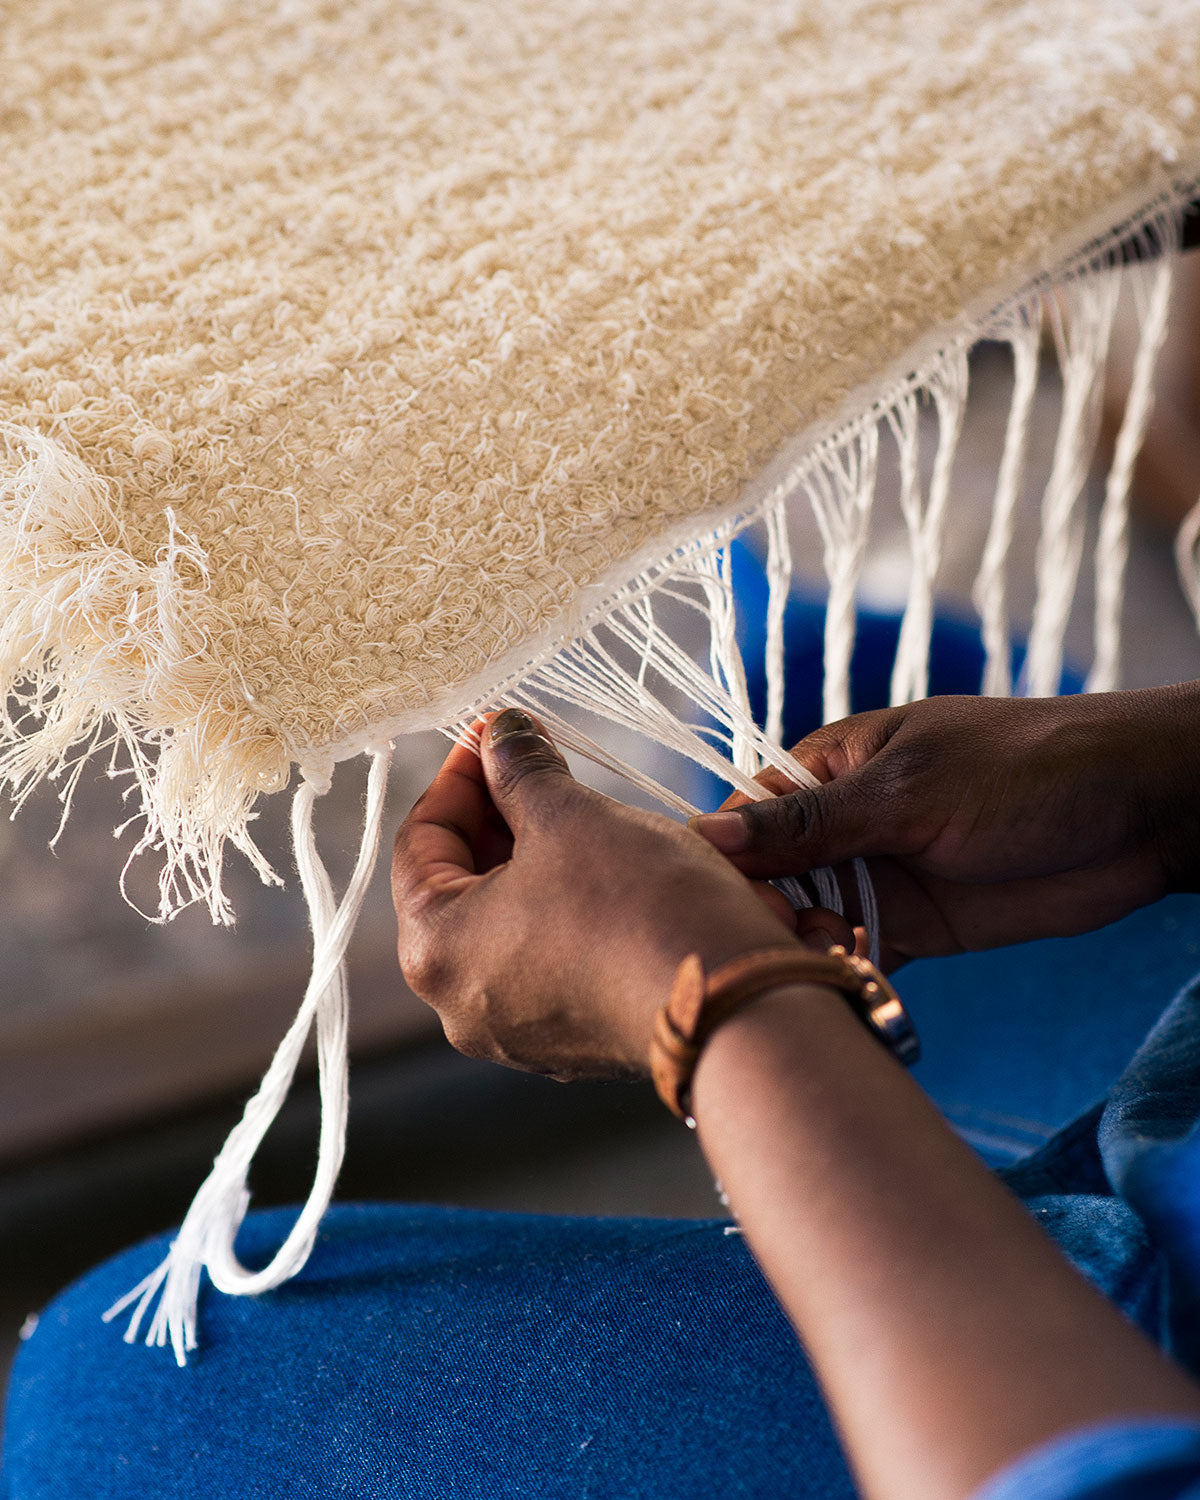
<point x="805" y="829"/>
<point x="522" y="766"/>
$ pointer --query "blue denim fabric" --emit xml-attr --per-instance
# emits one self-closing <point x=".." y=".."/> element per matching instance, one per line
<point x="1019" y="1041"/>
<point x="437" y="1354"/>
<point x="1119" y="1188"/>
<point x="444" y="1353"/>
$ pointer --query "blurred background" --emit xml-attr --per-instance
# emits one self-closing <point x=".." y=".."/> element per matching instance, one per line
<point x="127" y="1048"/>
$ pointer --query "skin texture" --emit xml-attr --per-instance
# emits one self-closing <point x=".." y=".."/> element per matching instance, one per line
<point x="949" y="1335"/>
<point x="507" y="873"/>
<point x="989" y="821"/>
<point x="544" y="923"/>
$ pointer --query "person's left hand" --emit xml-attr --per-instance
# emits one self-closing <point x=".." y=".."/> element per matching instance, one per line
<point x="544" y="922"/>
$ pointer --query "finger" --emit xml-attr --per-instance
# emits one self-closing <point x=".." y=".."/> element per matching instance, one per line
<point x="822" y="929"/>
<point x="434" y="848"/>
<point x="775" y="902"/>
<point x="809" y="827"/>
<point x="522" y="766"/>
<point x="829" y="752"/>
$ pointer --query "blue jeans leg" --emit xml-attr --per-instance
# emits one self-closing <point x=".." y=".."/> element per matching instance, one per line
<point x="437" y="1354"/>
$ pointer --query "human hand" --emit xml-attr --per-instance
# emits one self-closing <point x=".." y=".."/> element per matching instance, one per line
<point x="544" y="922"/>
<point x="988" y="821"/>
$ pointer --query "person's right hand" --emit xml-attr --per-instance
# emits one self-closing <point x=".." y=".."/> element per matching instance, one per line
<point x="989" y="821"/>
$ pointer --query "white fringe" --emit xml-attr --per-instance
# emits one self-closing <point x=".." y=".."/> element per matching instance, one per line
<point x="1151" y="287"/>
<point x="926" y="524"/>
<point x="95" y="647"/>
<point x="206" y="1237"/>
<point x="1082" y="325"/>
<point x="779" y="585"/>
<point x="990" y="594"/>
<point x="841" y="488"/>
<point x="716" y="574"/>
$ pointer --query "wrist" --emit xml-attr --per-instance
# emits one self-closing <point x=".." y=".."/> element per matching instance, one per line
<point x="790" y="1027"/>
<point x="648" y="987"/>
<point x="701" y="1004"/>
<point x="1168" y="789"/>
<point x="1133" y="752"/>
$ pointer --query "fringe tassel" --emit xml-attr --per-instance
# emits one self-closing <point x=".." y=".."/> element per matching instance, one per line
<point x="591" y="677"/>
<point x="779" y="584"/>
<point x="1082" y="326"/>
<point x="727" y="666"/>
<point x="841" y="489"/>
<point x="926" y="524"/>
<point x="1152" y="298"/>
<point x="103" y="654"/>
<point x="206" y="1237"/>
<point x="990" y="593"/>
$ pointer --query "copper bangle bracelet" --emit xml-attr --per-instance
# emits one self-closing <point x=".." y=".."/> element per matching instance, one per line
<point x="697" y="1005"/>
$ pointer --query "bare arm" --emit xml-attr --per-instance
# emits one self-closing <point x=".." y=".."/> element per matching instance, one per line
<point x="949" y="1334"/>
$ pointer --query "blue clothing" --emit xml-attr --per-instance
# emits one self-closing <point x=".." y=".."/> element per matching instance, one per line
<point x="443" y="1354"/>
<point x="437" y="1354"/>
<point x="1127" y="1461"/>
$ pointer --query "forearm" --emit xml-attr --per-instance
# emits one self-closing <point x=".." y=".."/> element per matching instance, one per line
<point x="1168" y="776"/>
<point x="949" y="1335"/>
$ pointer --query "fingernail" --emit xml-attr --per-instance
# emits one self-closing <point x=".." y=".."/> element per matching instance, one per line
<point x="509" y="723"/>
<point x="725" y="831"/>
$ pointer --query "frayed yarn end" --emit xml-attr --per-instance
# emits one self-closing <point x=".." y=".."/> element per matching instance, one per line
<point x="104" y="654"/>
<point x="206" y="1239"/>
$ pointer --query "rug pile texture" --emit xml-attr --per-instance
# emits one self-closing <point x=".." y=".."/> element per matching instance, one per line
<point x="345" y="349"/>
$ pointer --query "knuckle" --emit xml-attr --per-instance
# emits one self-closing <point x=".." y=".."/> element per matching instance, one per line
<point x="917" y="779"/>
<point x="465" y="1038"/>
<point x="918" y="752"/>
<point x="895" y="774"/>
<point x="479" y="1024"/>
<point x="425" y="965"/>
<point x="555" y="811"/>
<point x="400" y="854"/>
<point x="793" y="819"/>
<point x="417" y="905"/>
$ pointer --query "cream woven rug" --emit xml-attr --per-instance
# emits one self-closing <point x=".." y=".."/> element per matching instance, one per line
<point x="365" y="364"/>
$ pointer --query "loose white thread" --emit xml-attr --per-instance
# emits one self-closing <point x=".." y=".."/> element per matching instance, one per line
<point x="727" y="665"/>
<point x="1152" y="296"/>
<point x="588" y="676"/>
<point x="89" y="638"/>
<point x="206" y="1237"/>
<point x="779" y="585"/>
<point x="841" y="489"/>
<point x="990" y="593"/>
<point x="1081" y="333"/>
<point x="926" y="524"/>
